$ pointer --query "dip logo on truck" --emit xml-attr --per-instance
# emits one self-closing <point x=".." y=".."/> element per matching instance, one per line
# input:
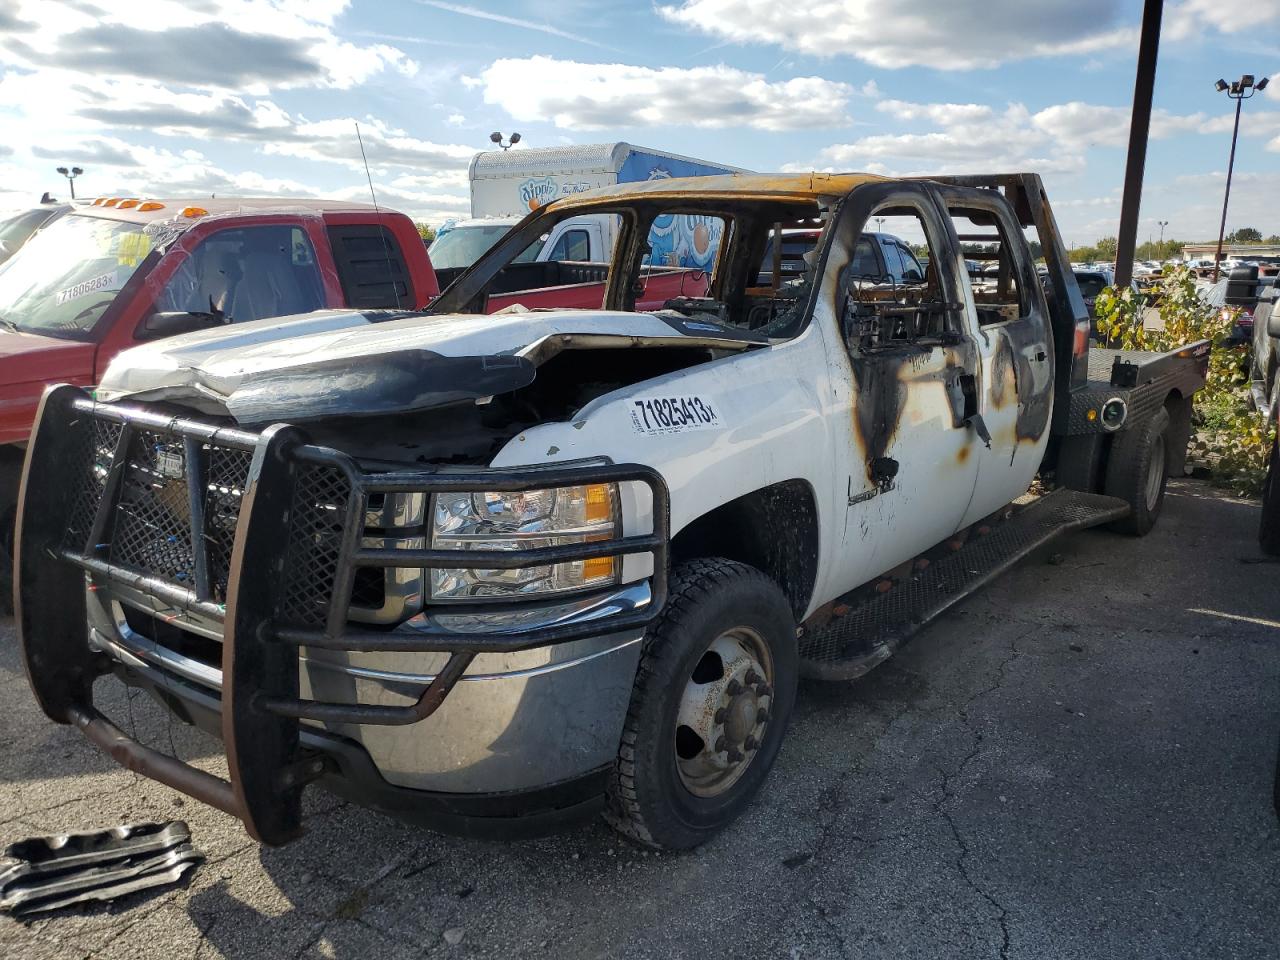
<point x="537" y="191"/>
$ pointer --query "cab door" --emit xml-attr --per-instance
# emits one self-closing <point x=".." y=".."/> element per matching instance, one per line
<point x="1015" y="346"/>
<point x="904" y="440"/>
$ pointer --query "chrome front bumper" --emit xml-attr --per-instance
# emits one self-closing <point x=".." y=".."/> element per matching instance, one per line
<point x="242" y="553"/>
<point x="514" y="721"/>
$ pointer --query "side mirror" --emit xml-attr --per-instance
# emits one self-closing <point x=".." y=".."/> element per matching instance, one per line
<point x="170" y="324"/>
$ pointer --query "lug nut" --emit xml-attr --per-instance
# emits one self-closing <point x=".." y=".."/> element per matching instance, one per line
<point x="751" y="678"/>
<point x="734" y="688"/>
<point x="735" y="755"/>
<point x="750" y="743"/>
<point x="721" y="714"/>
<point x="764" y="690"/>
<point x="762" y="717"/>
<point x="721" y="745"/>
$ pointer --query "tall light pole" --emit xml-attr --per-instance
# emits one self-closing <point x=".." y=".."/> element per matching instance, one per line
<point x="1163" y="224"/>
<point x="879" y="223"/>
<point x="1239" y="91"/>
<point x="496" y="137"/>
<point x="71" y="178"/>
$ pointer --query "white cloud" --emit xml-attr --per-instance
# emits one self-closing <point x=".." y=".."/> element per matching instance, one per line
<point x="972" y="137"/>
<point x="592" y="96"/>
<point x="934" y="33"/>
<point x="251" y="46"/>
<point x="334" y="141"/>
<point x="1192" y="18"/>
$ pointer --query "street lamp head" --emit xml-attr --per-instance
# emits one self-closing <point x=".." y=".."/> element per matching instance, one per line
<point x="76" y="171"/>
<point x="515" y="138"/>
<point x="1246" y="81"/>
<point x="1220" y="86"/>
<point x="1262" y="84"/>
<point x="63" y="171"/>
<point x="495" y="137"/>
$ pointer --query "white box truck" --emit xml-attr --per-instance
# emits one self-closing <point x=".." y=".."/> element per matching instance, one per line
<point x="508" y="184"/>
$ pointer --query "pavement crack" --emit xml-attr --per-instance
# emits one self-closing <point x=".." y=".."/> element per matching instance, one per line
<point x="831" y="801"/>
<point x="948" y="792"/>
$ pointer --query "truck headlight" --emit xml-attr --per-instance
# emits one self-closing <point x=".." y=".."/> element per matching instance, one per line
<point x="523" y="521"/>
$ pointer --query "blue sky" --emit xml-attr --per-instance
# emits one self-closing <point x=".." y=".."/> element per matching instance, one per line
<point x="255" y="97"/>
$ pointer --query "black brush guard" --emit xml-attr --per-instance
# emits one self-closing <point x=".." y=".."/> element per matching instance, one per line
<point x="269" y="548"/>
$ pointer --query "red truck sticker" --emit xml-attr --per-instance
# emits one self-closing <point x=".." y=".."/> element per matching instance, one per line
<point x="87" y="286"/>
<point x="662" y="415"/>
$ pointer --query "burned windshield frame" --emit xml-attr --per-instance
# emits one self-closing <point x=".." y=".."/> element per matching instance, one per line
<point x="748" y="224"/>
<point x="461" y="295"/>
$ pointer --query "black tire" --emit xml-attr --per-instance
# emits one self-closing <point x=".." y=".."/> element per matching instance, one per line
<point x="1181" y="412"/>
<point x="1080" y="461"/>
<point x="1137" y="455"/>
<point x="649" y="801"/>
<point x="1269" y="526"/>
<point x="10" y="480"/>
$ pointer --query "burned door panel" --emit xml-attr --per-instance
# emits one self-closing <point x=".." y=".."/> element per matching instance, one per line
<point x="1015" y="345"/>
<point x="908" y="345"/>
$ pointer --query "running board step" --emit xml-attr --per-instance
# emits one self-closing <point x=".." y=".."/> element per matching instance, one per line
<point x="869" y="632"/>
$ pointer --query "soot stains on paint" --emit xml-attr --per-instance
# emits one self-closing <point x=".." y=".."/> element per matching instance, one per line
<point x="1017" y="371"/>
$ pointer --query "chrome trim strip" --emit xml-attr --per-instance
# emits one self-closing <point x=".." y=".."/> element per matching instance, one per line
<point x="136" y="646"/>
<point x="133" y="646"/>
<point x="423" y="679"/>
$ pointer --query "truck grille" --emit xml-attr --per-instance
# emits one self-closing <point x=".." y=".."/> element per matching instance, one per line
<point x="151" y="531"/>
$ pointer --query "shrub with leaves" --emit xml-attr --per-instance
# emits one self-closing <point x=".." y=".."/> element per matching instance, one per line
<point x="1231" y="440"/>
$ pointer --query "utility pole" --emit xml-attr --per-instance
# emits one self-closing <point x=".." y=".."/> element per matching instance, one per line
<point x="1143" y="88"/>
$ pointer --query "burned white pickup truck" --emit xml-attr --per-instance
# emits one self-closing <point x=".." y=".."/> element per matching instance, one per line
<point x="504" y="572"/>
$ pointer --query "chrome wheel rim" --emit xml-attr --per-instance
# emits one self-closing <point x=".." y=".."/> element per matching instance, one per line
<point x="724" y="712"/>
<point x="1155" y="473"/>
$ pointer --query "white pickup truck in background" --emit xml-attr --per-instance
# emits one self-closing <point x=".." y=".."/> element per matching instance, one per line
<point x="506" y="185"/>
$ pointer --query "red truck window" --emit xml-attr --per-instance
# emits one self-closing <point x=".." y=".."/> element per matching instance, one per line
<point x="371" y="267"/>
<point x="247" y="273"/>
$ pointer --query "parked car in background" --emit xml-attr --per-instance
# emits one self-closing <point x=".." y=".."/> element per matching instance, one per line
<point x="1264" y="385"/>
<point x="1092" y="283"/>
<point x="16" y="227"/>
<point x="1237" y="293"/>
<point x="116" y="272"/>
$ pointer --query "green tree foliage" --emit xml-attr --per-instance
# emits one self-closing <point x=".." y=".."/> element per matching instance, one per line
<point x="425" y="231"/>
<point x="1105" y="251"/>
<point x="1230" y="438"/>
<point x="1245" y="235"/>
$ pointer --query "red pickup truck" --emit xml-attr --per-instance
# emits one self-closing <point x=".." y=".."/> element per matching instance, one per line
<point x="120" y="271"/>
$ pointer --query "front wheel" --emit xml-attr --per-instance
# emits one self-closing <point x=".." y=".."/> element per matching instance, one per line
<point x="713" y="693"/>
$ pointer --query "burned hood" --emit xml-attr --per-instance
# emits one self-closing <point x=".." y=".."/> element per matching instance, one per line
<point x="336" y="362"/>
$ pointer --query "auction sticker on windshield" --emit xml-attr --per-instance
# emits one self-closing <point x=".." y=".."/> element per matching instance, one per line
<point x="87" y="287"/>
<point x="663" y="415"/>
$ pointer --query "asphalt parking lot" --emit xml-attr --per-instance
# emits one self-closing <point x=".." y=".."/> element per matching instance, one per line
<point x="1076" y="762"/>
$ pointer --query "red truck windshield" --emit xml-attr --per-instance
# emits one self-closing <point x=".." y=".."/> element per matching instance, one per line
<point x="66" y="275"/>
